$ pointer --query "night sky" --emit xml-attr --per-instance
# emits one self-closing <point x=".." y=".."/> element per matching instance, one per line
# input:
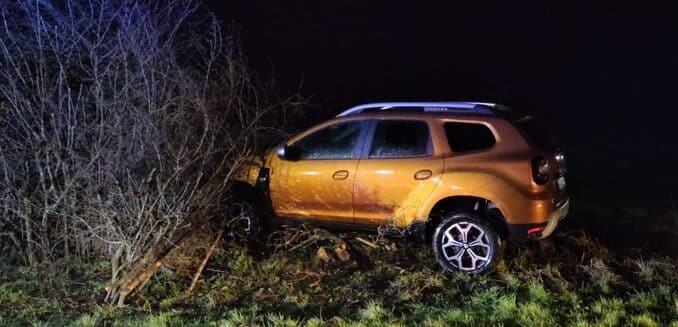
<point x="604" y="75"/>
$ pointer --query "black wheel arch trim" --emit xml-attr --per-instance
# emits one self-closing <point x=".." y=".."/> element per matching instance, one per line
<point x="485" y="208"/>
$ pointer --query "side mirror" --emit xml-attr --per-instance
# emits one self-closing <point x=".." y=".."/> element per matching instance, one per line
<point x="288" y="152"/>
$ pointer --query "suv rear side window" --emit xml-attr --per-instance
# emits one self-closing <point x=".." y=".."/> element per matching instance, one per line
<point x="336" y="141"/>
<point x="401" y="139"/>
<point x="464" y="137"/>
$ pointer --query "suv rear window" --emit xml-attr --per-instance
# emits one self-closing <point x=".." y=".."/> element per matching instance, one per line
<point x="536" y="132"/>
<point x="401" y="139"/>
<point x="464" y="137"/>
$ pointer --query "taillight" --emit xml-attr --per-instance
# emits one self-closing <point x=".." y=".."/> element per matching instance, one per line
<point x="540" y="170"/>
<point x="535" y="231"/>
<point x="560" y="160"/>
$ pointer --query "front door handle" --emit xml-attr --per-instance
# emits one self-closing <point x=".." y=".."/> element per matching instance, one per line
<point x="423" y="174"/>
<point x="340" y="174"/>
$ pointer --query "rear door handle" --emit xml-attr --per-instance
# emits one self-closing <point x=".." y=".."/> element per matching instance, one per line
<point x="340" y="174"/>
<point x="423" y="174"/>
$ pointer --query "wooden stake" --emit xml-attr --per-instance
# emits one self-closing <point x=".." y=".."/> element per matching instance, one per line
<point x="366" y="242"/>
<point x="198" y="272"/>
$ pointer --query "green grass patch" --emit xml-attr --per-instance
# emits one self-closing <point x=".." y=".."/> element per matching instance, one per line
<point x="569" y="280"/>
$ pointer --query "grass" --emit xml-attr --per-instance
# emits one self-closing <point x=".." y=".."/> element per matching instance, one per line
<point x="569" y="279"/>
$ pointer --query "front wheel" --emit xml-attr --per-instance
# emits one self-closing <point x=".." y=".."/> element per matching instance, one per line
<point x="463" y="242"/>
<point x="245" y="223"/>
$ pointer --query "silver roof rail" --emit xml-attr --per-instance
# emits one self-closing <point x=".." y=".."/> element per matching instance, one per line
<point x="451" y="107"/>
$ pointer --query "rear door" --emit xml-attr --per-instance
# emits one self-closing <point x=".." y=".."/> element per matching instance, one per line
<point x="397" y="172"/>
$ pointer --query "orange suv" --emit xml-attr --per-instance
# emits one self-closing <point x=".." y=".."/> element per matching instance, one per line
<point x="464" y="176"/>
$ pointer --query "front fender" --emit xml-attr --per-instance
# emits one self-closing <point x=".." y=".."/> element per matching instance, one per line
<point x="248" y="170"/>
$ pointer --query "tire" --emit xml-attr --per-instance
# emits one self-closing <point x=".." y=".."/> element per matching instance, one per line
<point x="464" y="242"/>
<point x="245" y="223"/>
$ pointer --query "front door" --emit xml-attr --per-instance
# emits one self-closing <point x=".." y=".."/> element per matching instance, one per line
<point x="320" y="184"/>
<point x="399" y="172"/>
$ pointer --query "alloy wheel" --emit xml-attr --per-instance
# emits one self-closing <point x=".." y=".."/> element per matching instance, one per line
<point x="466" y="246"/>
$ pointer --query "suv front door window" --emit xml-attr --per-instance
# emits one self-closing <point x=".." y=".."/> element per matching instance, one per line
<point x="320" y="184"/>
<point x="333" y="142"/>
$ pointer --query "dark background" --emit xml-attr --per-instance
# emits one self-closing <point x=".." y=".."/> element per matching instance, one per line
<point x="604" y="75"/>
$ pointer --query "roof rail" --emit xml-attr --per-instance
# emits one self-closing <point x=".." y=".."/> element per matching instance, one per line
<point x="447" y="107"/>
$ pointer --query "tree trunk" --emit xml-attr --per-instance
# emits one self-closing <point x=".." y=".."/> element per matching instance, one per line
<point x="145" y="267"/>
<point x="140" y="279"/>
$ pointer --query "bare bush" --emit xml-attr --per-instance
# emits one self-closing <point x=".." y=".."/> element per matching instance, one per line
<point x="121" y="125"/>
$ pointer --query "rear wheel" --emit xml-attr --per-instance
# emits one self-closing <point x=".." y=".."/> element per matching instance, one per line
<point x="463" y="242"/>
